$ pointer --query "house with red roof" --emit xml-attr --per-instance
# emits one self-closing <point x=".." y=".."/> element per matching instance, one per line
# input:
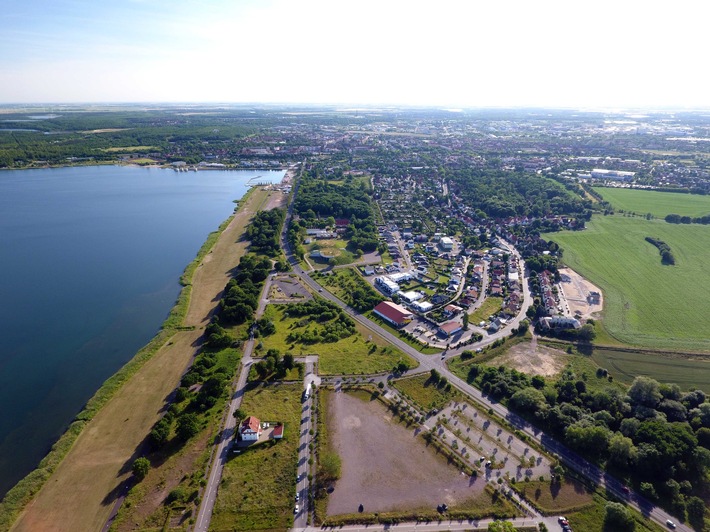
<point x="397" y="315"/>
<point x="278" y="432"/>
<point x="250" y="429"/>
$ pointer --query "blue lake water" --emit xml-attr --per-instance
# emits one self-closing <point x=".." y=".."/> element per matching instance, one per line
<point x="90" y="259"/>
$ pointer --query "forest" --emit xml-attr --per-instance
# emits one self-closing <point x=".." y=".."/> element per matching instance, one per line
<point x="502" y="194"/>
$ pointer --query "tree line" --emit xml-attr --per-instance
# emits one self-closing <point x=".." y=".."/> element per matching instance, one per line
<point x="653" y="434"/>
<point x="664" y="249"/>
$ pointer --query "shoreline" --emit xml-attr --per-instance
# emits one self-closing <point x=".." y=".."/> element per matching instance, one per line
<point x="16" y="500"/>
<point x="164" y="166"/>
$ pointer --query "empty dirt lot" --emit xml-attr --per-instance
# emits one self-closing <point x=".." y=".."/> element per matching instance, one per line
<point x="384" y="467"/>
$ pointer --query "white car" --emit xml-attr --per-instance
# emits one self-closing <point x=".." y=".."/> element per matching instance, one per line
<point x="296" y="510"/>
<point x="670" y="524"/>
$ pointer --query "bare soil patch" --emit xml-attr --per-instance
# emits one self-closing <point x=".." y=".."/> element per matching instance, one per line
<point x="576" y="289"/>
<point x="534" y="359"/>
<point x="384" y="466"/>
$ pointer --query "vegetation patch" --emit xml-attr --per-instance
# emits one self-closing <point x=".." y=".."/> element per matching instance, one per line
<point x="489" y="307"/>
<point x="429" y="391"/>
<point x="663" y="248"/>
<point x="552" y="497"/>
<point x="347" y="285"/>
<point x="258" y="485"/>
<point x="302" y="334"/>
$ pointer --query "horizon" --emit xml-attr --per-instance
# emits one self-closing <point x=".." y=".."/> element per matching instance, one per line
<point x="459" y="55"/>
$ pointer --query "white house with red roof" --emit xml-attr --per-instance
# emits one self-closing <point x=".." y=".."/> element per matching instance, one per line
<point x="397" y="315"/>
<point x="250" y="429"/>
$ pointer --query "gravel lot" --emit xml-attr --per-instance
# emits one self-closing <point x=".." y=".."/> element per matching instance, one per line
<point x="384" y="467"/>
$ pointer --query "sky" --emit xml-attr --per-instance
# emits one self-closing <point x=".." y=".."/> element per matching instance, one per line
<point x="492" y="53"/>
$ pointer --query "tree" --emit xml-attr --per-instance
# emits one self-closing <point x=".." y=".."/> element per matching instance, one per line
<point x="645" y="391"/>
<point x="696" y="512"/>
<point x="140" y="468"/>
<point x="622" y="450"/>
<point x="501" y="526"/>
<point x="617" y="518"/>
<point x="465" y="321"/>
<point x="187" y="426"/>
<point x="528" y="400"/>
<point x="587" y="333"/>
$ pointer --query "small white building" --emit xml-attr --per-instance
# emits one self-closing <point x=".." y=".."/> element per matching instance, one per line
<point x="446" y="243"/>
<point x="411" y="296"/>
<point x="422" y="306"/>
<point x="388" y="286"/>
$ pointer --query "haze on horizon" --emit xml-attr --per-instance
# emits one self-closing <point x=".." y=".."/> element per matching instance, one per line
<point x="450" y="53"/>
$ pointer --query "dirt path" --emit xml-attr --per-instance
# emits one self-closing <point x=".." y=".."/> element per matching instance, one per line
<point x="82" y="491"/>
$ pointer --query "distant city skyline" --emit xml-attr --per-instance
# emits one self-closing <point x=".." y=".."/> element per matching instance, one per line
<point x="448" y="54"/>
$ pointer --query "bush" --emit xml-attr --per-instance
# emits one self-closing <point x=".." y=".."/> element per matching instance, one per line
<point x="140" y="468"/>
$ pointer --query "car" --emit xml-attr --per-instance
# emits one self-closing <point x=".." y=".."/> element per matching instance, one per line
<point x="296" y="497"/>
<point x="482" y="458"/>
<point x="562" y="520"/>
<point x="320" y="289"/>
<point x="489" y="463"/>
<point x="296" y="510"/>
<point x="625" y="489"/>
<point x="670" y="524"/>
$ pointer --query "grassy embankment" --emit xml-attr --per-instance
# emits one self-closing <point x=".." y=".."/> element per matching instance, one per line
<point x="648" y="304"/>
<point x="258" y="485"/>
<point x="354" y="355"/>
<point x="114" y="437"/>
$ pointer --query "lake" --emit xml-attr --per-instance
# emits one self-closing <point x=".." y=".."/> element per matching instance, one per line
<point x="90" y="259"/>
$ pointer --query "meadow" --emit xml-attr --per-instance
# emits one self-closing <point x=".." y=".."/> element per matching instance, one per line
<point x="362" y="353"/>
<point x="659" y="204"/>
<point x="258" y="485"/>
<point x="647" y="303"/>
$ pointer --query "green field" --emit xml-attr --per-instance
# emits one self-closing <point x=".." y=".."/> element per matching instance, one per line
<point x="657" y="203"/>
<point x="685" y="372"/>
<point x="360" y="354"/>
<point x="646" y="303"/>
<point x="258" y="485"/>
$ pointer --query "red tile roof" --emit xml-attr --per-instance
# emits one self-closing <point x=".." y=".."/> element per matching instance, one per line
<point x="251" y="423"/>
<point x="278" y="431"/>
<point x="393" y="312"/>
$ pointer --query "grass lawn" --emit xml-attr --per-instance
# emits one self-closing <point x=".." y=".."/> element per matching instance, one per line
<point x="647" y="303"/>
<point x="659" y="204"/>
<point x="258" y="485"/>
<point x="335" y="248"/>
<point x="491" y="305"/>
<point x="562" y="498"/>
<point x="424" y="393"/>
<point x="355" y="355"/>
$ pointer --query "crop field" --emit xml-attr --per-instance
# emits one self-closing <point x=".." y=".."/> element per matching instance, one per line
<point x="360" y="354"/>
<point x="685" y="372"/>
<point x="659" y="204"/>
<point x="647" y="303"/>
<point x="258" y="485"/>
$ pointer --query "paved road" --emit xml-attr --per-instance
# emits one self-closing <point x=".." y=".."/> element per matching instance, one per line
<point x="209" y="496"/>
<point x="552" y="446"/>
